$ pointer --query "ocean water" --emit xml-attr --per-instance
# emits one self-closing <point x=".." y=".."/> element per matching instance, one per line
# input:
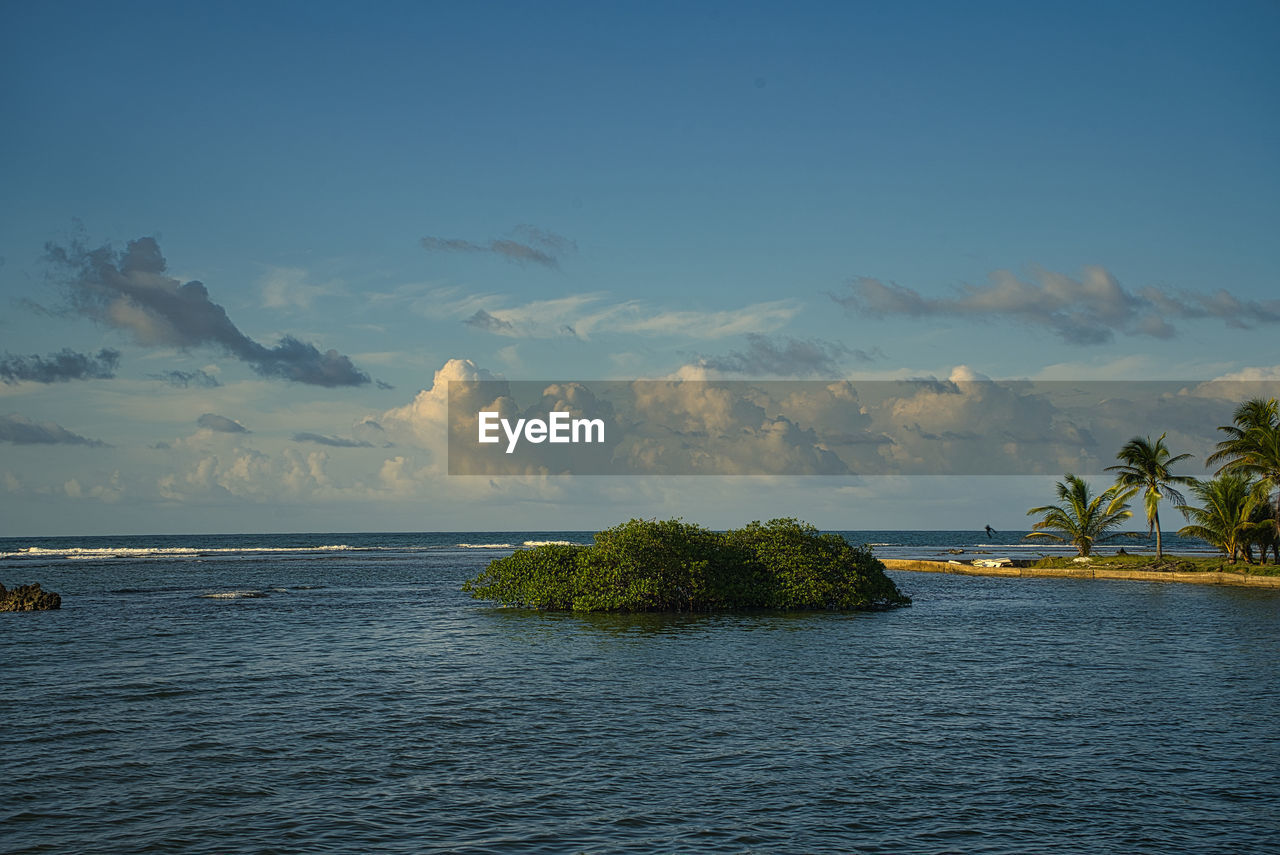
<point x="338" y="693"/>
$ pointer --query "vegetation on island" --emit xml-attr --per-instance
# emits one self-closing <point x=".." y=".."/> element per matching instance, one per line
<point x="1081" y="518"/>
<point x="1146" y="466"/>
<point x="1237" y="512"/>
<point x="674" y="566"/>
<point x="1251" y="451"/>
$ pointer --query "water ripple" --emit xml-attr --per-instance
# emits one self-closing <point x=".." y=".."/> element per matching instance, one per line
<point x="369" y="706"/>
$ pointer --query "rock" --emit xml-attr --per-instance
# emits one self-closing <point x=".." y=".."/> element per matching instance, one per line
<point x="28" y="598"/>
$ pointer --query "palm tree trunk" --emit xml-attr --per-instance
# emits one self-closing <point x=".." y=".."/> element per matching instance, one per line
<point x="1275" y="543"/>
<point x="1159" y="542"/>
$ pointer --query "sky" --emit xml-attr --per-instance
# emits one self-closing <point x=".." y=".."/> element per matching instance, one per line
<point x="244" y="246"/>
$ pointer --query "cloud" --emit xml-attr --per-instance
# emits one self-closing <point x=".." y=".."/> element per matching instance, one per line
<point x="539" y="247"/>
<point x="633" y="318"/>
<point x="333" y="441"/>
<point x="59" y="367"/>
<point x="249" y="474"/>
<point x="1088" y="310"/>
<point x="422" y="422"/>
<point x="584" y="315"/>
<point x="962" y="423"/>
<point x="288" y="288"/>
<point x="186" y="379"/>
<point x="109" y="492"/>
<point x="130" y="291"/>
<point x="785" y="356"/>
<point x="22" y="431"/>
<point x="482" y="320"/>
<point x="220" y="424"/>
<point x="557" y="245"/>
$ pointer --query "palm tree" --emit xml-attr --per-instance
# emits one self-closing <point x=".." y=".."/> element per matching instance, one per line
<point x="1083" y="520"/>
<point x="1228" y="519"/>
<point x="1252" y="448"/>
<point x="1146" y="466"/>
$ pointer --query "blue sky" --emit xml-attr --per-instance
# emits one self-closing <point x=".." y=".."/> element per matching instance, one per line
<point x="640" y="188"/>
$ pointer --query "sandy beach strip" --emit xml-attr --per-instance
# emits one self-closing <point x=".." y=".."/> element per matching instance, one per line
<point x="1084" y="572"/>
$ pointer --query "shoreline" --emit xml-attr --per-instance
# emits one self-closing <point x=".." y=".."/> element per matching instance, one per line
<point x="1206" y="578"/>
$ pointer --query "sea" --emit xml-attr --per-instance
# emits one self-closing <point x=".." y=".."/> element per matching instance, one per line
<point x="297" y="693"/>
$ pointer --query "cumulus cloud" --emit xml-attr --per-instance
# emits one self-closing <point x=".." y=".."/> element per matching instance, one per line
<point x="1087" y="310"/>
<point x="220" y="424"/>
<point x="59" y="367"/>
<point x="423" y="421"/>
<point x="332" y="441"/>
<point x="109" y="492"/>
<point x="964" y="423"/>
<point x="651" y="427"/>
<point x="786" y="357"/>
<point x="535" y="246"/>
<point x="20" y="430"/>
<point x="185" y="379"/>
<point x="130" y="291"/>
<point x="692" y="427"/>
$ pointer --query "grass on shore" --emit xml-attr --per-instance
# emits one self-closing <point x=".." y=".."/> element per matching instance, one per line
<point x="1170" y="564"/>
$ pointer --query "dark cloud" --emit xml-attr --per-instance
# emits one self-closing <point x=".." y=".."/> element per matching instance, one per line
<point x="787" y="357"/>
<point x="482" y="320"/>
<point x="59" y="367"/>
<point x="188" y="378"/>
<point x="22" y="431"/>
<point x="334" y="441"/>
<point x="131" y="291"/>
<point x="538" y="246"/>
<point x="221" y="424"/>
<point x="382" y="384"/>
<point x="557" y="245"/>
<point x="1088" y="310"/>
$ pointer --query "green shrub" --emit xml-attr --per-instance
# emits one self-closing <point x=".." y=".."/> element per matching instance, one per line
<point x="808" y="570"/>
<point x="671" y="566"/>
<point x="539" y="578"/>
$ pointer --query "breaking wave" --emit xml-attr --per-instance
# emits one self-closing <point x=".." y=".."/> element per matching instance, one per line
<point x="84" y="553"/>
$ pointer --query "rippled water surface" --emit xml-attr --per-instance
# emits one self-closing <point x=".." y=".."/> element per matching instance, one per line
<point x="354" y="700"/>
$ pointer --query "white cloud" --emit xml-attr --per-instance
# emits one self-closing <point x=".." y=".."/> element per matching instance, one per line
<point x="289" y="288"/>
<point x="588" y="314"/>
<point x="109" y="492"/>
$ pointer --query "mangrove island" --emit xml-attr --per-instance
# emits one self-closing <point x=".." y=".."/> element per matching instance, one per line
<point x="673" y="566"/>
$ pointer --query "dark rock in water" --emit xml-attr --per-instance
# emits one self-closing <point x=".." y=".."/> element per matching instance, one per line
<point x="28" y="598"/>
